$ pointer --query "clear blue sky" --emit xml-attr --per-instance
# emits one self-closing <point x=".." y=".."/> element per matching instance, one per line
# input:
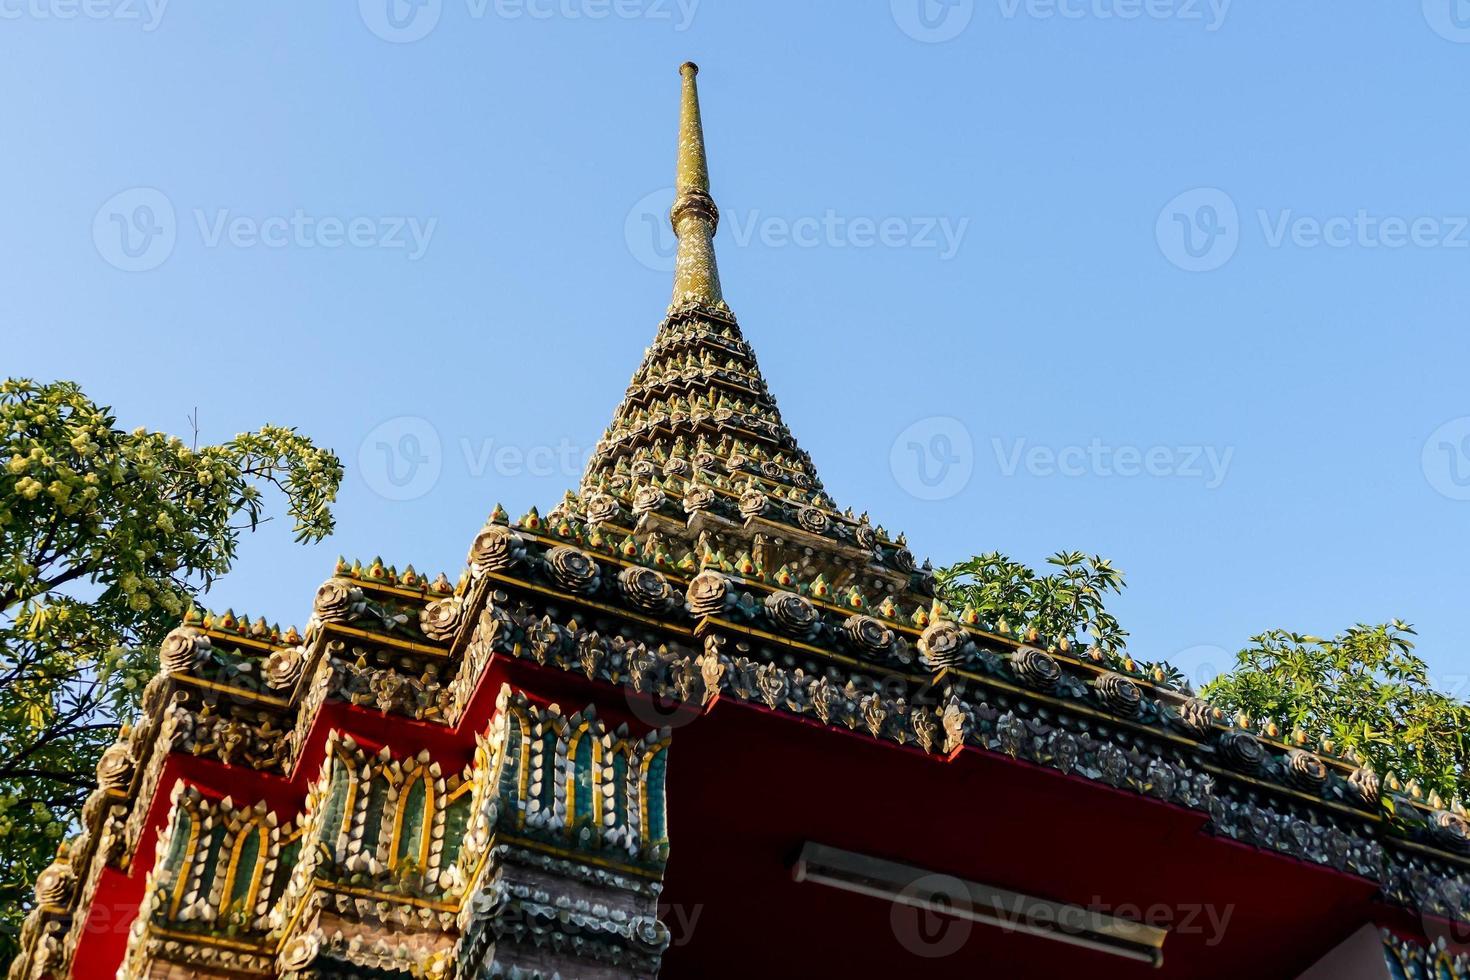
<point x="1277" y="380"/>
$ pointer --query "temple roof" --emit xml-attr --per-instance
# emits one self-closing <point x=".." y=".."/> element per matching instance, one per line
<point x="699" y="438"/>
<point x="700" y="567"/>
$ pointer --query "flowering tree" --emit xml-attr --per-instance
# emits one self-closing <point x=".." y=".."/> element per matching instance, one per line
<point x="105" y="538"/>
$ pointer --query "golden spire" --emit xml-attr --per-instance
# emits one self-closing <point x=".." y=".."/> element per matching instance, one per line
<point x="694" y="215"/>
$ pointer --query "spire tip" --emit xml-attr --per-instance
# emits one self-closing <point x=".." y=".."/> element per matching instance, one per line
<point x="694" y="215"/>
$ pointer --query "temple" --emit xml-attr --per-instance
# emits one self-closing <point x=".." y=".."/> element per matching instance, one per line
<point x="698" y="720"/>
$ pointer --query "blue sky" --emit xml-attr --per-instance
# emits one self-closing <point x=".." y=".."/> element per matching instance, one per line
<point x="1181" y="283"/>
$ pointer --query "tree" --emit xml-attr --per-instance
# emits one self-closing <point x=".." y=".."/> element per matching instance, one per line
<point x="1057" y="607"/>
<point x="1053" y="610"/>
<point x="1364" y="693"/>
<point x="106" y="537"/>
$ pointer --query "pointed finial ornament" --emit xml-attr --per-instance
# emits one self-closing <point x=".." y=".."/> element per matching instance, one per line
<point x="694" y="215"/>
